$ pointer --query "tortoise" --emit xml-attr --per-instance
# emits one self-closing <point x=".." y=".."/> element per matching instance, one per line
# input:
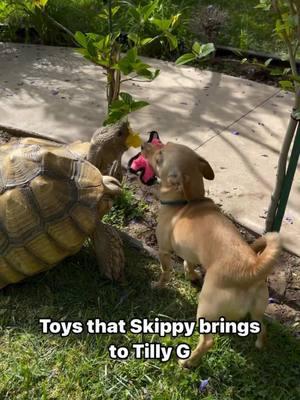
<point x="52" y="198"/>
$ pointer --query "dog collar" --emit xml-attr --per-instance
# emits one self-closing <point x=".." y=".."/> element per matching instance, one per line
<point x="181" y="202"/>
<point x="174" y="202"/>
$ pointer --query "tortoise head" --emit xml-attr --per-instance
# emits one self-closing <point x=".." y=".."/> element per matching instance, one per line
<point x="108" y="145"/>
<point x="112" y="188"/>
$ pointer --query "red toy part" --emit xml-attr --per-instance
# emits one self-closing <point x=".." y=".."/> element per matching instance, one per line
<point x="140" y="166"/>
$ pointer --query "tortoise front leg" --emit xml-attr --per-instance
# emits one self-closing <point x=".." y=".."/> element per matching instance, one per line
<point x="109" y="251"/>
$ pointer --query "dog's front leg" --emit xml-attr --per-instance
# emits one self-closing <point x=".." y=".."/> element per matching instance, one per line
<point x="165" y="265"/>
<point x="205" y="343"/>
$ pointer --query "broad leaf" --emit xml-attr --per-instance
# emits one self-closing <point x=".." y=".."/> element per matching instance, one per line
<point x="196" y="48"/>
<point x="137" y="105"/>
<point x="188" y="57"/>
<point x="91" y="49"/>
<point x="39" y="3"/>
<point x="134" y="38"/>
<point x="126" y="97"/>
<point x="206" y="49"/>
<point x="122" y="107"/>
<point x="81" y="39"/>
<point x="146" y="41"/>
<point x="147" y="10"/>
<point x="162" y="24"/>
<point x="268" y="62"/>
<point x="131" y="55"/>
<point x="287" y="85"/>
<point x="172" y="40"/>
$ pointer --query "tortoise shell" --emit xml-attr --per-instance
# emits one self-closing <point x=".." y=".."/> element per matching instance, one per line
<point x="48" y="205"/>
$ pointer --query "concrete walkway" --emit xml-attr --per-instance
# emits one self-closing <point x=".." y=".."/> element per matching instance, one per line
<point x="238" y="125"/>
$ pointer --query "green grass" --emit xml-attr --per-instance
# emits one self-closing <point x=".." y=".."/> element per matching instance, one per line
<point x="126" y="208"/>
<point x="37" y="366"/>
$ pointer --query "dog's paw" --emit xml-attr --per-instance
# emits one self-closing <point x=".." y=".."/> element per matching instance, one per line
<point x="185" y="364"/>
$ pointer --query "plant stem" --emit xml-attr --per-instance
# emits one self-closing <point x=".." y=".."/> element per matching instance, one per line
<point x="59" y="25"/>
<point x="283" y="157"/>
<point x="110" y="22"/>
<point x="113" y="76"/>
<point x="117" y="74"/>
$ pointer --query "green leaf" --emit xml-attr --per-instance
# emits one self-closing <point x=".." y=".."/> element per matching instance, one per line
<point x="137" y="105"/>
<point x="114" y="36"/>
<point x="134" y="38"/>
<point x="276" y="72"/>
<point x="175" y="19"/>
<point x="131" y="55"/>
<point x="94" y="36"/>
<point x="162" y="24"/>
<point x="206" y="49"/>
<point x="268" y="62"/>
<point x="122" y="107"/>
<point x="196" y="48"/>
<point x="114" y="116"/>
<point x="100" y="45"/>
<point x="264" y="4"/>
<point x="287" y="85"/>
<point x="147" y="10"/>
<point x="114" y="10"/>
<point x="39" y="3"/>
<point x="156" y="73"/>
<point x="286" y="71"/>
<point x="124" y="66"/>
<point x="147" y="41"/>
<point x="83" y="51"/>
<point x="172" y="40"/>
<point x="188" y="57"/>
<point x="91" y="49"/>
<point x="81" y="39"/>
<point x="126" y="97"/>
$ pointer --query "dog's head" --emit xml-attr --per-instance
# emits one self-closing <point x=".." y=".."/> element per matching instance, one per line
<point x="180" y="169"/>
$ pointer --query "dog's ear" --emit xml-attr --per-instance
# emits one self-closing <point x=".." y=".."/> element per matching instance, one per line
<point x="206" y="169"/>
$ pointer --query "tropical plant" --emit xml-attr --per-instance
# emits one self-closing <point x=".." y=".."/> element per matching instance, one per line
<point x="118" y="53"/>
<point x="28" y="14"/>
<point x="199" y="52"/>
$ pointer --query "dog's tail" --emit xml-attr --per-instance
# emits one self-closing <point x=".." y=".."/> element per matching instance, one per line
<point x="268" y="248"/>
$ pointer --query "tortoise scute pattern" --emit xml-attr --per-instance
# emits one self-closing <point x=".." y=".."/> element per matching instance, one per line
<point x="48" y="206"/>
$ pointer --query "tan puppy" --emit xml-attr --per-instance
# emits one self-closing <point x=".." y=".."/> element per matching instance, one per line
<point x="193" y="227"/>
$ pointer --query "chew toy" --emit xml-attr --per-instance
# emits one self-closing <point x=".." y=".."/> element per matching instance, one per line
<point x="138" y="165"/>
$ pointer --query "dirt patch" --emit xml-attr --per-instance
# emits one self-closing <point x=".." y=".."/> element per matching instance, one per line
<point x="252" y="70"/>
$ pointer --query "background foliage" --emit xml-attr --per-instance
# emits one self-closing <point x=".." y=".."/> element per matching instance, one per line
<point x="245" y="27"/>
